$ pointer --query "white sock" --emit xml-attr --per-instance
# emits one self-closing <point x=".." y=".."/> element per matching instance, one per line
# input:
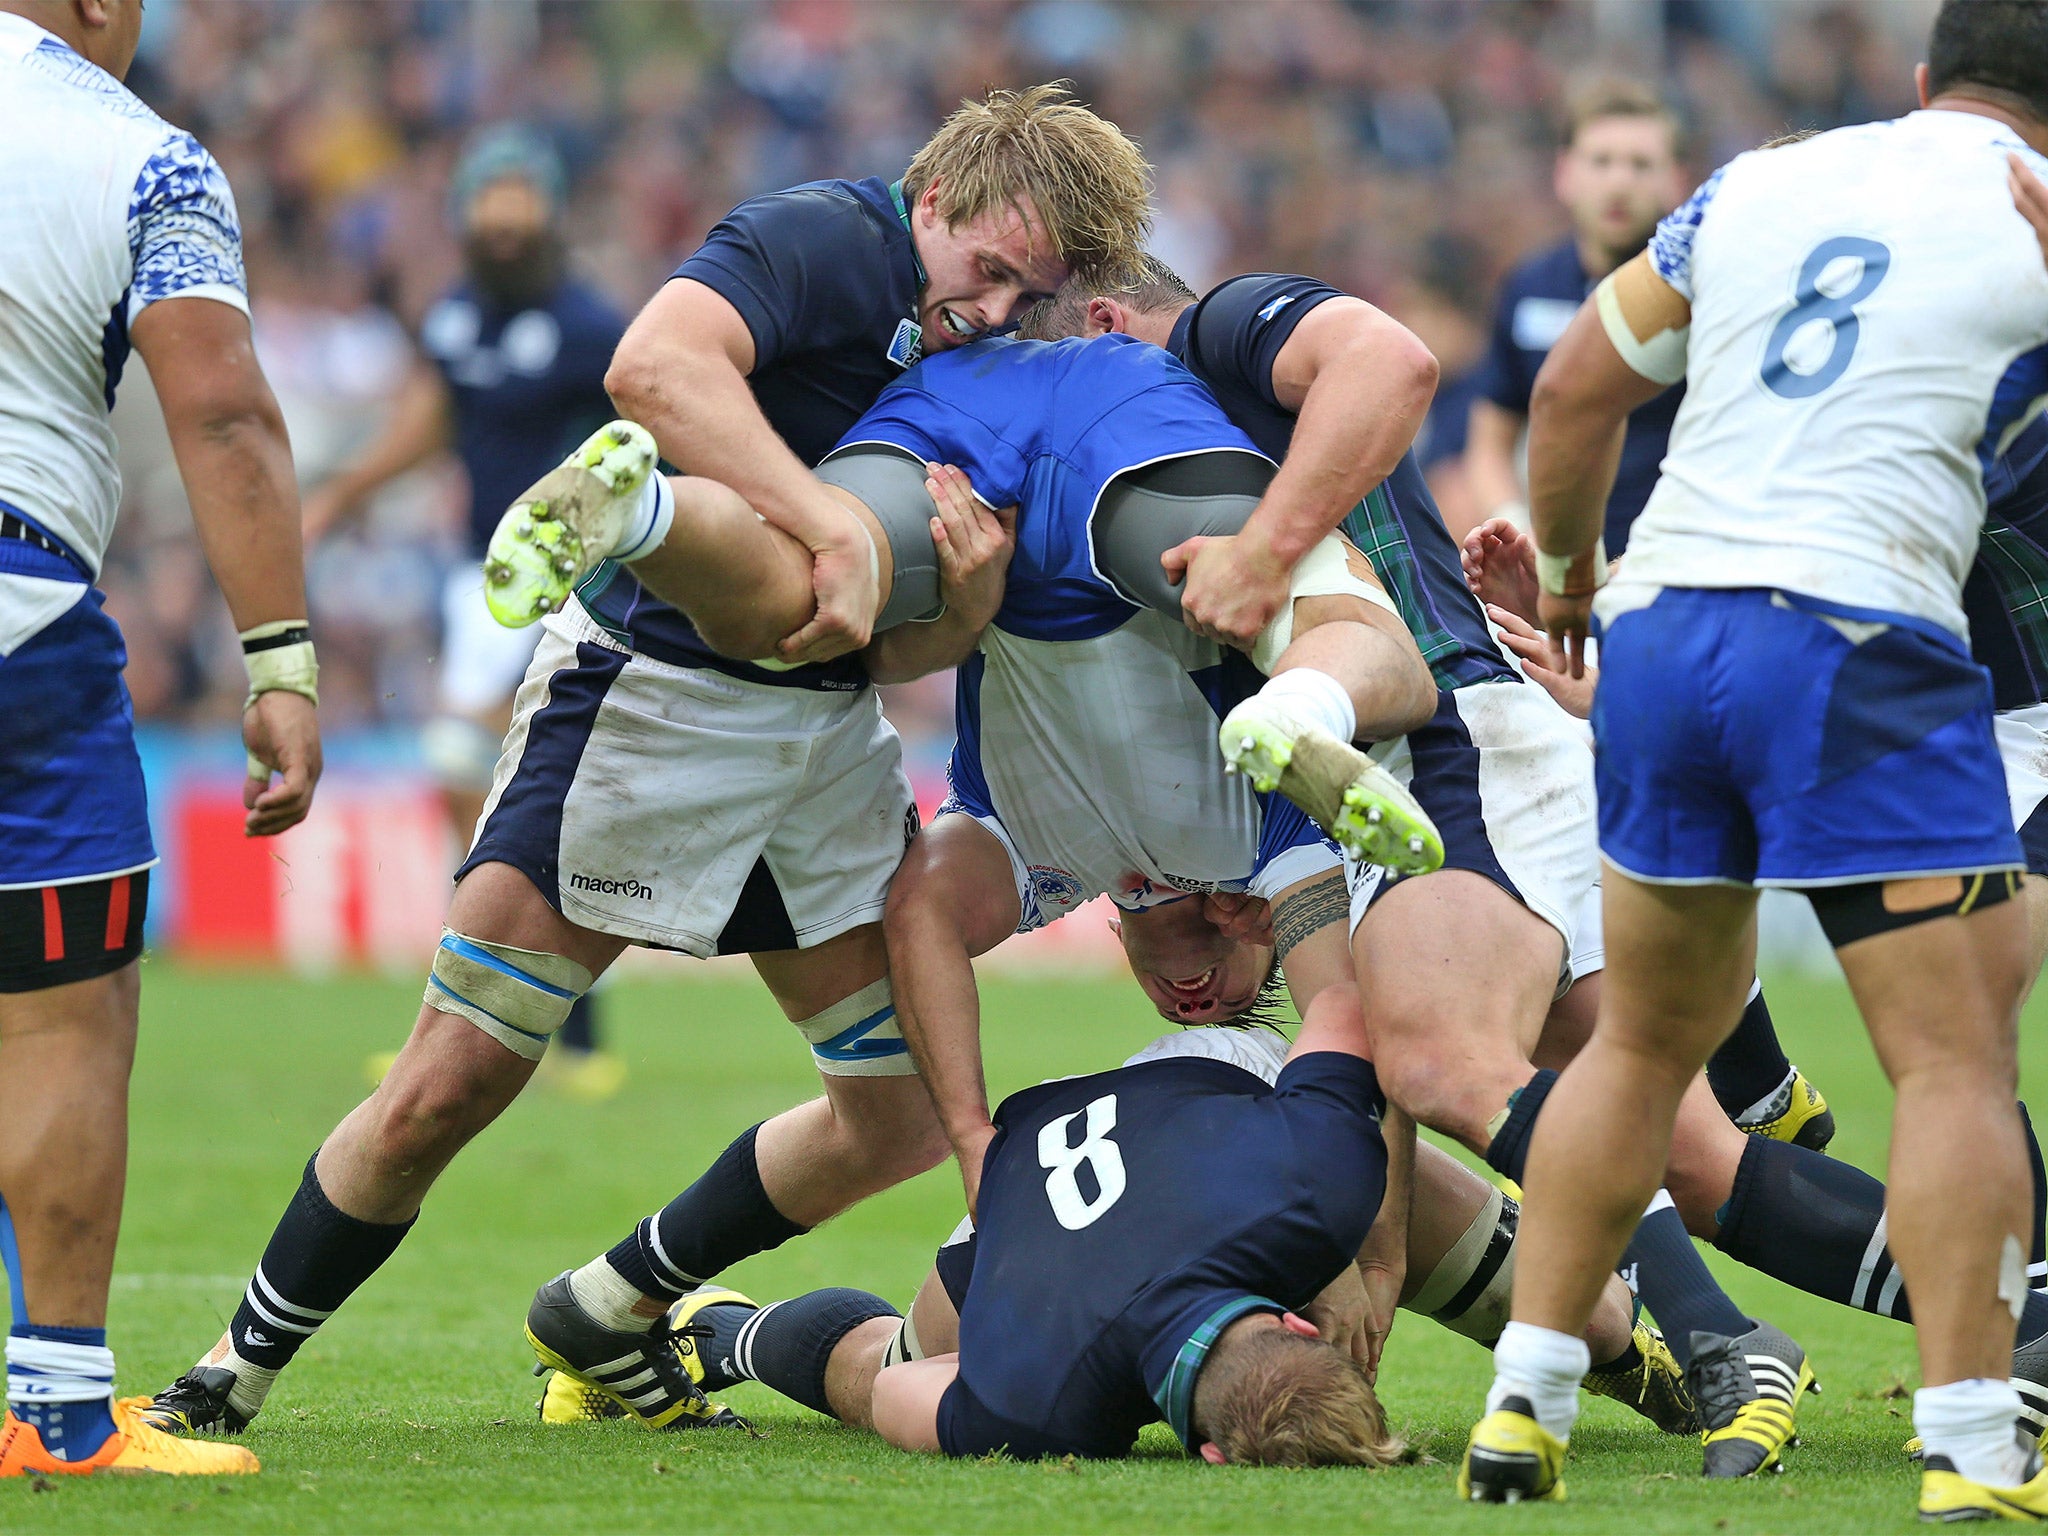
<point x="608" y="1296"/>
<point x="1544" y="1367"/>
<point x="1972" y="1423"/>
<point x="653" y="515"/>
<point x="1317" y="698"/>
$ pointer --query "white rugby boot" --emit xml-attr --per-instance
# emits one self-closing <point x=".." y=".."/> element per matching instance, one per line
<point x="593" y="505"/>
<point x="1351" y="797"/>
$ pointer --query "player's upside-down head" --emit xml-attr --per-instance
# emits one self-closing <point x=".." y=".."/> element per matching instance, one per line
<point x="1270" y="1396"/>
<point x="1192" y="969"/>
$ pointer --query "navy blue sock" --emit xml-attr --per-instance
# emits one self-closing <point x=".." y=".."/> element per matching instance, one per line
<point x="579" y="1030"/>
<point x="1818" y="1224"/>
<point x="1508" y="1152"/>
<point x="70" y="1431"/>
<point x="786" y="1344"/>
<point x="724" y="1217"/>
<point x="1750" y="1065"/>
<point x="1665" y="1269"/>
<point x="315" y="1261"/>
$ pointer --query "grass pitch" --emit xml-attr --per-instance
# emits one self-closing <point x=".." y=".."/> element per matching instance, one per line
<point x="413" y="1410"/>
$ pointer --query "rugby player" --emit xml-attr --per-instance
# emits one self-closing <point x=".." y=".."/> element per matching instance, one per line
<point x="1618" y="172"/>
<point x="1459" y="969"/>
<point x="510" y="375"/>
<point x="1055" y="1352"/>
<point x="122" y="233"/>
<point x="1824" y="732"/>
<point x="653" y="791"/>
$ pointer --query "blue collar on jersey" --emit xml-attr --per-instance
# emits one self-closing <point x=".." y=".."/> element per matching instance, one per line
<point x="1176" y="1394"/>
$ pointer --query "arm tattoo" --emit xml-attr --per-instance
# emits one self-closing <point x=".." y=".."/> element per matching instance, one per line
<point x="1309" y="911"/>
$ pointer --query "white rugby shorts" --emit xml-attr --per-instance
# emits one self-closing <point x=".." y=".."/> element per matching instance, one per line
<point x="681" y="808"/>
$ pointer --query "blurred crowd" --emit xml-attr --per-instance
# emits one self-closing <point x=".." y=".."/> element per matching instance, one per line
<point x="1400" y="149"/>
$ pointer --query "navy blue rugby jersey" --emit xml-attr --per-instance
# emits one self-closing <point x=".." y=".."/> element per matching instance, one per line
<point x="527" y="385"/>
<point x="827" y="280"/>
<point x="1537" y="301"/>
<point x="1127" y="1217"/>
<point x="1230" y="341"/>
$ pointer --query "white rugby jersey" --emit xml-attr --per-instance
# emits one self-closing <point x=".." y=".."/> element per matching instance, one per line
<point x="1098" y="757"/>
<point x="108" y="209"/>
<point x="1869" y="315"/>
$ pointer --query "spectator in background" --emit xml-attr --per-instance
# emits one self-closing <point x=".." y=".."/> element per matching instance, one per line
<point x="1617" y="175"/>
<point x="511" y="377"/>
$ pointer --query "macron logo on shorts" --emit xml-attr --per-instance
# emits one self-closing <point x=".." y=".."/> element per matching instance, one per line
<point x="600" y="885"/>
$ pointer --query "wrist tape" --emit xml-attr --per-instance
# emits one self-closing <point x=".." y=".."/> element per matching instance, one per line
<point x="279" y="659"/>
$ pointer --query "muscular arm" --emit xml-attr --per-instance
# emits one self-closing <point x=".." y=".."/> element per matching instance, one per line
<point x="416" y="428"/>
<point x="1578" y="416"/>
<point x="1359" y="383"/>
<point x="1491" y="432"/>
<point x="953" y="898"/>
<point x="236" y="462"/>
<point x="1579" y="410"/>
<point x="681" y="372"/>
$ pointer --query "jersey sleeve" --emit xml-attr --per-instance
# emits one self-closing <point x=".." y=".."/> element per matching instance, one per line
<point x="1242" y="324"/>
<point x="802" y="268"/>
<point x="183" y="233"/>
<point x="917" y="421"/>
<point x="1332" y="1103"/>
<point x="1502" y="376"/>
<point x="1291" y="848"/>
<point x="1671" y="245"/>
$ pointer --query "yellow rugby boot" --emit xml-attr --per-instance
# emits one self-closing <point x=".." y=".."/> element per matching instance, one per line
<point x="1364" y="808"/>
<point x="1747" y="1390"/>
<point x="1655" y="1388"/>
<point x="1796" y="1113"/>
<point x="134" y="1446"/>
<point x="645" y="1375"/>
<point x="584" y="510"/>
<point x="1511" y="1458"/>
<point x="1947" y="1496"/>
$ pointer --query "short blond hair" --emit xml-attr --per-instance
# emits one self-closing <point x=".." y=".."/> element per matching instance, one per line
<point x="1272" y="1398"/>
<point x="1595" y="100"/>
<point x="1085" y="181"/>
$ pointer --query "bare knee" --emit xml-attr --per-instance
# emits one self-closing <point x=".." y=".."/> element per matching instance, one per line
<point x="1437" y="1084"/>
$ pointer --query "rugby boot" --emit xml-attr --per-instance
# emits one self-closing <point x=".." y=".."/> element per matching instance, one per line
<point x="1655" y="1388"/>
<point x="134" y="1446"/>
<point x="196" y="1404"/>
<point x="565" y="523"/>
<point x="1747" y="1392"/>
<point x="644" y="1374"/>
<point x="712" y="1375"/>
<point x="1796" y="1113"/>
<point x="1947" y="1496"/>
<point x="1511" y="1458"/>
<point x="564" y="1399"/>
<point x="1351" y="797"/>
